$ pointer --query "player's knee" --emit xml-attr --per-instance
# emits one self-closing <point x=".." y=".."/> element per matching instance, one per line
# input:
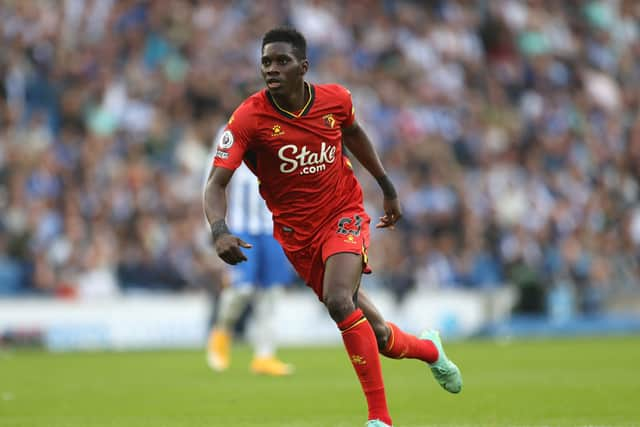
<point x="339" y="304"/>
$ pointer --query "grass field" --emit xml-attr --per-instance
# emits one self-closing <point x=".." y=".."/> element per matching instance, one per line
<point x="585" y="382"/>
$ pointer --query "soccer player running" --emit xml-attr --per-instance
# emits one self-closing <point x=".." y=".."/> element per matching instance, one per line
<point x="259" y="281"/>
<point x="291" y="136"/>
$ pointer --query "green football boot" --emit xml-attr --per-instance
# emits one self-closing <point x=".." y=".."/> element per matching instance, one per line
<point x="444" y="370"/>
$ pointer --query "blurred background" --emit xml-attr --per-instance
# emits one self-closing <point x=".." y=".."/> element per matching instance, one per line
<point x="511" y="129"/>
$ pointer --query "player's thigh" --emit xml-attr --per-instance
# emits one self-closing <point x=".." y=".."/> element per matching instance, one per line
<point x="275" y="268"/>
<point x="342" y="272"/>
<point x="344" y="254"/>
<point x="247" y="272"/>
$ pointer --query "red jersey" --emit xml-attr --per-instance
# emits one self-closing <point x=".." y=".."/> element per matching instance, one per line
<point x="305" y="178"/>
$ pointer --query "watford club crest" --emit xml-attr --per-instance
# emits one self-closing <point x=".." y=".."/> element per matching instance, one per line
<point x="329" y="121"/>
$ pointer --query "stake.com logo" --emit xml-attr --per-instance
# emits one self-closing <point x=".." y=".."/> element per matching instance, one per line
<point x="309" y="162"/>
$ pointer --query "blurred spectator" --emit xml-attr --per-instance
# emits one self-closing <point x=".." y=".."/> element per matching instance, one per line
<point x="510" y="126"/>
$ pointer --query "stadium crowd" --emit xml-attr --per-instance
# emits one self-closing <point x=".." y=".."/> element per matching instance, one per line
<point x="510" y="127"/>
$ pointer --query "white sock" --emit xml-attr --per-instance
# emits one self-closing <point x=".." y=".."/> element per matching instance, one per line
<point x="233" y="301"/>
<point x="264" y="337"/>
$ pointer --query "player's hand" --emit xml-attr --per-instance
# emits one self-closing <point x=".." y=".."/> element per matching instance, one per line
<point x="228" y="249"/>
<point x="392" y="213"/>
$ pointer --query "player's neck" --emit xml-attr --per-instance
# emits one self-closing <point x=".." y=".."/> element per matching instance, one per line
<point x="294" y="101"/>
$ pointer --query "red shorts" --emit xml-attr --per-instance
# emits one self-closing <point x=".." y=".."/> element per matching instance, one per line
<point x="349" y="233"/>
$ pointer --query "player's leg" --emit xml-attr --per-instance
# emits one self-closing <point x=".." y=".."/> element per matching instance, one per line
<point x="233" y="301"/>
<point x="393" y="342"/>
<point x="341" y="278"/>
<point x="265" y="360"/>
<point x="274" y="273"/>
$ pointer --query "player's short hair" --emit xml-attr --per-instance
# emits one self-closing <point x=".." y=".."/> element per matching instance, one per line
<point x="287" y="35"/>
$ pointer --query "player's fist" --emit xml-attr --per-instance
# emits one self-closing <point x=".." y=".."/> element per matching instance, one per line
<point x="392" y="213"/>
<point x="228" y="249"/>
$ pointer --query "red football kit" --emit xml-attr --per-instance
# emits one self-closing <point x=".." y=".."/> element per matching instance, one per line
<point x="305" y="179"/>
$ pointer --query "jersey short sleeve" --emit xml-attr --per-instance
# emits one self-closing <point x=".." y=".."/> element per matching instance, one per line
<point x="234" y="141"/>
<point x="347" y="104"/>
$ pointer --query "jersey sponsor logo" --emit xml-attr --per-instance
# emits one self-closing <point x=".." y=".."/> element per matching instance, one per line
<point x="329" y="121"/>
<point x="276" y="130"/>
<point x="222" y="154"/>
<point x="306" y="161"/>
<point x="226" y="141"/>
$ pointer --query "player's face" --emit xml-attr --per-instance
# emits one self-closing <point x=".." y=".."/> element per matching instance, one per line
<point x="281" y="70"/>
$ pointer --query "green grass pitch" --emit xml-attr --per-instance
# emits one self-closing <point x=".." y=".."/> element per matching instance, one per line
<point x="577" y="382"/>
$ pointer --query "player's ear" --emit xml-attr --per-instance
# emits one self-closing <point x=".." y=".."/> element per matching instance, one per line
<point x="304" y="67"/>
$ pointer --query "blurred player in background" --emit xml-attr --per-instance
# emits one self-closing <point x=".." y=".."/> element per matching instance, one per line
<point x="291" y="136"/>
<point x="259" y="281"/>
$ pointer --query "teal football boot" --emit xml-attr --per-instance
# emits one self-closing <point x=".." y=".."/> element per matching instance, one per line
<point x="444" y="370"/>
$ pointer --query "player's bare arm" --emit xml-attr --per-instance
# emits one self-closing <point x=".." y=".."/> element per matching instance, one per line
<point x="215" y="208"/>
<point x="358" y="143"/>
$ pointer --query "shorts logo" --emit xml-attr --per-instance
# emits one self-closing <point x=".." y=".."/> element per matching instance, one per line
<point x="276" y="130"/>
<point x="329" y="121"/>
<point x="226" y="141"/>
<point x="350" y="239"/>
